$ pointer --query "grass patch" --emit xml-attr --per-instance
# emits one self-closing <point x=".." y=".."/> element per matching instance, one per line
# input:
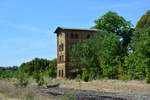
<point x="8" y="90"/>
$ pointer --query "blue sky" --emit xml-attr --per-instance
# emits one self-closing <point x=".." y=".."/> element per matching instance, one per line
<point x="27" y="26"/>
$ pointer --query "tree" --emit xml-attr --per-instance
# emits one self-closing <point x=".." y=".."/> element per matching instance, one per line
<point x="144" y="21"/>
<point x="39" y="65"/>
<point x="100" y="56"/>
<point x="38" y="76"/>
<point x="112" y="22"/>
<point x="138" y="61"/>
<point x="51" y="69"/>
<point x="22" y="79"/>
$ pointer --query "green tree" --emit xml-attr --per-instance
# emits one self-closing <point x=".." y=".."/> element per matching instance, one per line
<point x="39" y="77"/>
<point x="144" y="20"/>
<point x="138" y="61"/>
<point x="100" y="55"/>
<point x="112" y="22"/>
<point x="39" y="64"/>
<point x="22" y="79"/>
<point x="51" y="69"/>
<point x="110" y="56"/>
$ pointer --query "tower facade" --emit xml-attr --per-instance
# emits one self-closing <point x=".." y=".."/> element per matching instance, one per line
<point x="66" y="38"/>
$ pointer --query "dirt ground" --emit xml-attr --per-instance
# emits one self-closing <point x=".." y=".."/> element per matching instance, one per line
<point x="128" y="87"/>
<point x="9" y="92"/>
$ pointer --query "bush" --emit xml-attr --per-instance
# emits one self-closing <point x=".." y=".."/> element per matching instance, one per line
<point x="38" y="76"/>
<point x="78" y="78"/>
<point x="147" y="80"/>
<point x="22" y="80"/>
<point x="124" y="77"/>
<point x="85" y="76"/>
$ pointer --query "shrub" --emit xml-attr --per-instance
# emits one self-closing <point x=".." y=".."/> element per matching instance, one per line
<point x="78" y="78"/>
<point x="22" y="80"/>
<point x="85" y="76"/>
<point x="38" y="76"/>
<point x="147" y="80"/>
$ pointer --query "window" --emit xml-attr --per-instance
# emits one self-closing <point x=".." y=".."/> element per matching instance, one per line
<point x="59" y="58"/>
<point x="72" y="35"/>
<point x="62" y="73"/>
<point x="61" y="47"/>
<point x="62" y="58"/>
<point x="76" y="36"/>
<point x="88" y="36"/>
<point x="59" y="73"/>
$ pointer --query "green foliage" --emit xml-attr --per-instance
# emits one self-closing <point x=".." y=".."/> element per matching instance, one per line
<point x="109" y="55"/>
<point x="85" y="76"/>
<point x="51" y="69"/>
<point x="8" y="72"/>
<point x="101" y="56"/>
<point x="116" y="51"/>
<point x="39" y="77"/>
<point x="138" y="61"/>
<point x="47" y="67"/>
<point x="144" y="21"/>
<point x="112" y="22"/>
<point x="78" y="78"/>
<point x="35" y="65"/>
<point x="37" y="68"/>
<point x="22" y="80"/>
<point x="147" y="80"/>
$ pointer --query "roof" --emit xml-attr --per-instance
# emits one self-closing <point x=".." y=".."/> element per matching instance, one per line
<point x="74" y="29"/>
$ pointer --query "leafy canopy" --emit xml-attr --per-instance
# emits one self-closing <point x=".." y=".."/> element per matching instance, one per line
<point x="144" y="20"/>
<point x="138" y="61"/>
<point x="112" y="22"/>
<point x="100" y="55"/>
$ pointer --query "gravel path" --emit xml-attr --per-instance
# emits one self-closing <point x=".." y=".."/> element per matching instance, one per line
<point x="91" y="95"/>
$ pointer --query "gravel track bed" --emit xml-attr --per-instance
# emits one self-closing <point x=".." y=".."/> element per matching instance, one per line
<point x="91" y="95"/>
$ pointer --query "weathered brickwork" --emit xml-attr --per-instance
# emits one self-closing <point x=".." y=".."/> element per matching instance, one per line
<point x="66" y="37"/>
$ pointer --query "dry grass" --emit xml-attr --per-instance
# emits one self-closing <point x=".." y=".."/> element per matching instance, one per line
<point x="9" y="92"/>
<point x="129" y="87"/>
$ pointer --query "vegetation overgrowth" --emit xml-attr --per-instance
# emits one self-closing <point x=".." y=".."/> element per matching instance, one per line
<point x="117" y="51"/>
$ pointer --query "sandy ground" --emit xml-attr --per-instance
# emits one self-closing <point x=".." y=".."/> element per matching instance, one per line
<point x="8" y="92"/>
<point x="129" y="87"/>
<point x="3" y="97"/>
